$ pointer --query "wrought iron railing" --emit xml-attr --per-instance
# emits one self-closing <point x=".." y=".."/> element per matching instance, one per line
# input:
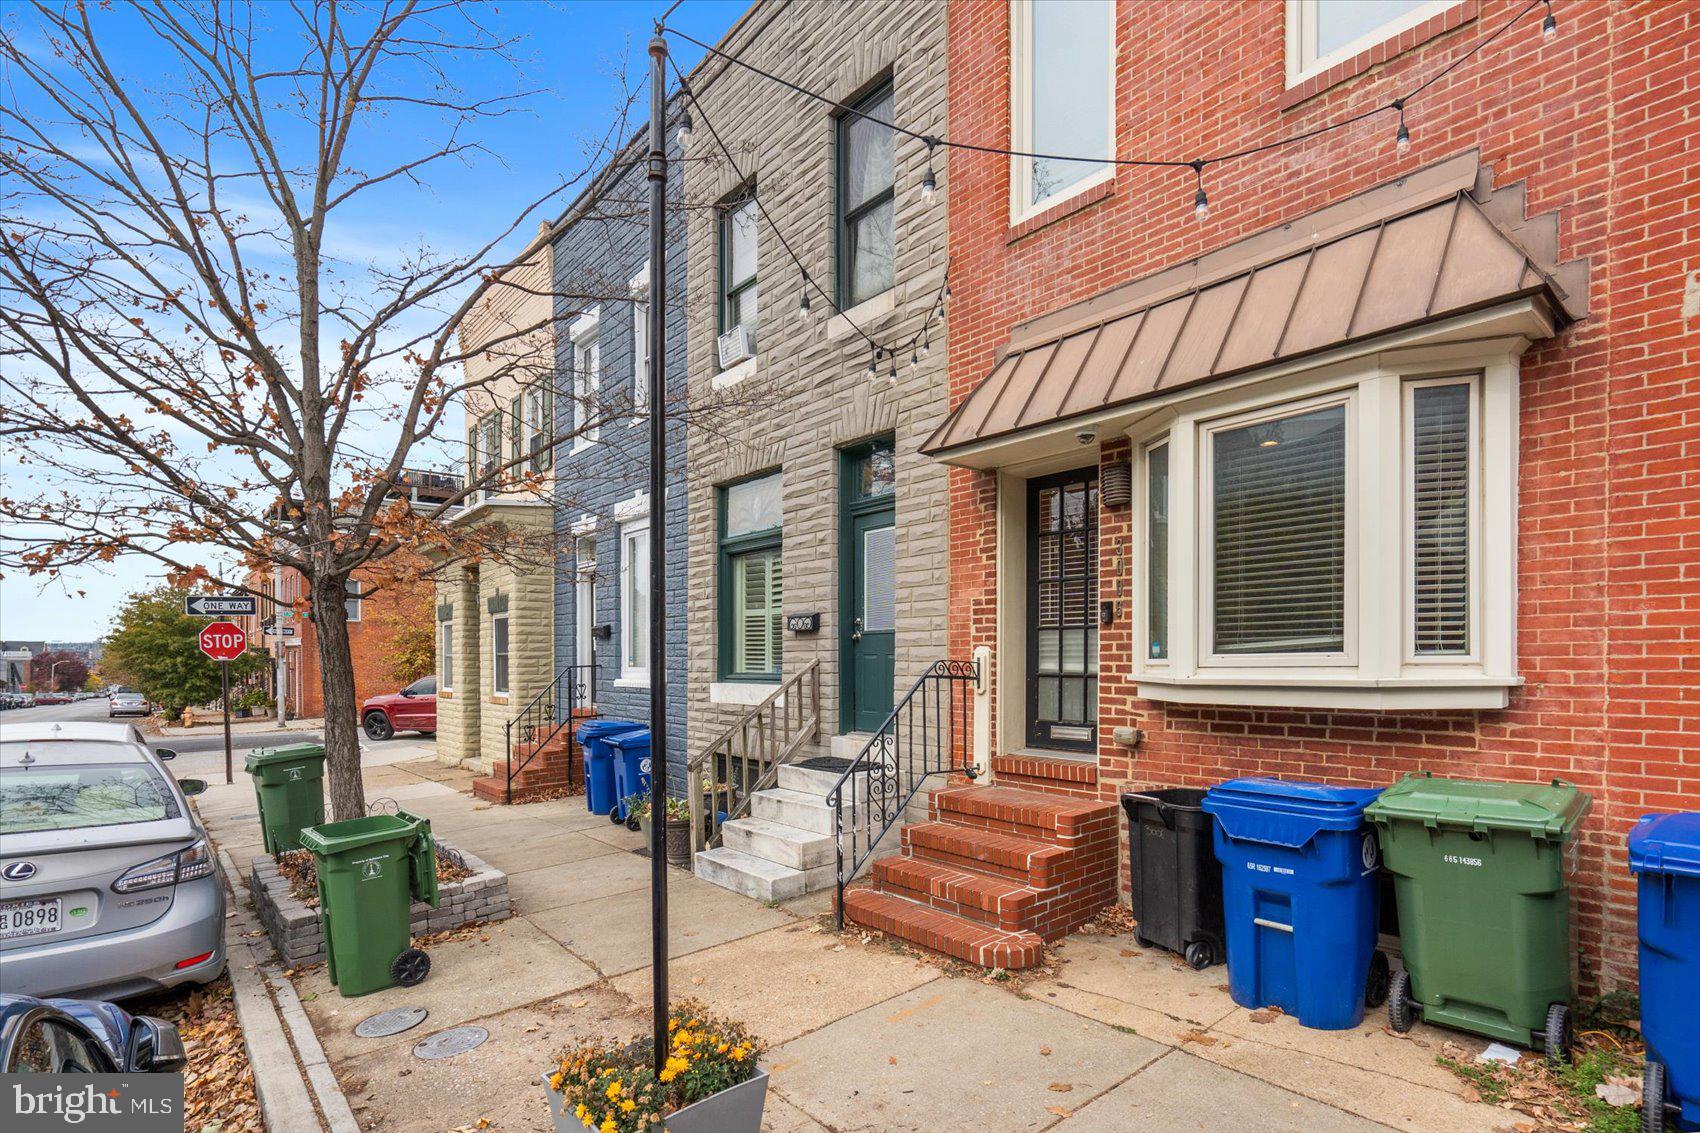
<point x="930" y="733"/>
<point x="542" y="719"/>
<point x="746" y="757"/>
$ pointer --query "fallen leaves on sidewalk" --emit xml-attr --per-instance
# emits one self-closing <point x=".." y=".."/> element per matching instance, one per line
<point x="1266" y="1014"/>
<point x="1114" y="919"/>
<point x="1199" y="1037"/>
<point x="218" y="1083"/>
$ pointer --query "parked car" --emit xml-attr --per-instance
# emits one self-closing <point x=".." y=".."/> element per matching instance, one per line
<point x="107" y="882"/>
<point x="413" y="709"/>
<point x="127" y="704"/>
<point x="83" y="1036"/>
<point x="52" y="698"/>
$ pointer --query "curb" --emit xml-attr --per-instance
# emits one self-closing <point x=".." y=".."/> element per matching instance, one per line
<point x="287" y="1082"/>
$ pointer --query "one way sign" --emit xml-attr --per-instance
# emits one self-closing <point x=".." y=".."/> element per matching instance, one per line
<point x="219" y="605"/>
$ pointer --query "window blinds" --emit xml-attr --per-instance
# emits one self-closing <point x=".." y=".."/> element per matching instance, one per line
<point x="1440" y="515"/>
<point x="1280" y="535"/>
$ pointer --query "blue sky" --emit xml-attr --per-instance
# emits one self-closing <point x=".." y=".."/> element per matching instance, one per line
<point x="582" y="54"/>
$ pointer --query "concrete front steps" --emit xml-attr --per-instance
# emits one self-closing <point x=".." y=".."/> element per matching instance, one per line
<point x="552" y="769"/>
<point x="994" y="874"/>
<point x="784" y="848"/>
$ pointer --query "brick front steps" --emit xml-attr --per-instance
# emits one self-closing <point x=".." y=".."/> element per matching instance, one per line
<point x="553" y="770"/>
<point x="997" y="872"/>
<point x="1050" y="772"/>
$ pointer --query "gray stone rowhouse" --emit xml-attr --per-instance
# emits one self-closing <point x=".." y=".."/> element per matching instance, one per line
<point x="601" y="253"/>
<point x="813" y="370"/>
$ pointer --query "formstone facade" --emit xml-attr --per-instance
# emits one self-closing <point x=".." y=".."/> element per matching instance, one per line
<point x="806" y="396"/>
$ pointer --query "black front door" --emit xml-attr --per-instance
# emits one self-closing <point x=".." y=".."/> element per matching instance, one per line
<point x="1062" y="611"/>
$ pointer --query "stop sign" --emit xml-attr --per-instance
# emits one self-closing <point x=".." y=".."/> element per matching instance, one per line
<point x="223" y="641"/>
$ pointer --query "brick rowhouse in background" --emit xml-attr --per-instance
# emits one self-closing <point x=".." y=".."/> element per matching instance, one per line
<point x="1598" y="126"/>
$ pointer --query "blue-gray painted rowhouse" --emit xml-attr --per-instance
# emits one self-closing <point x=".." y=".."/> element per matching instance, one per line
<point x="603" y="512"/>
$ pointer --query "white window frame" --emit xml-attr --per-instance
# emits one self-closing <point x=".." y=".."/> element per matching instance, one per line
<point x="1142" y="520"/>
<point x="1302" y="61"/>
<point x="1379" y="670"/>
<point x="1021" y="204"/>
<point x="587" y="377"/>
<point x="584" y="596"/>
<point x="498" y="685"/>
<point x="446" y="654"/>
<point x="632" y="675"/>
<point x="640" y="345"/>
<point x="355" y="593"/>
<point x="1205" y="481"/>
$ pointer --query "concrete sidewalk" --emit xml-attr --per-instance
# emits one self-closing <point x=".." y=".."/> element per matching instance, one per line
<point x="865" y="1037"/>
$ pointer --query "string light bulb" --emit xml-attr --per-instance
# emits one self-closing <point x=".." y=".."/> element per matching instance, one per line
<point x="929" y="183"/>
<point x="1549" y="25"/>
<point x="1200" y="201"/>
<point x="1402" y="140"/>
<point x="803" y="304"/>
<point x="946" y="296"/>
<point x="894" y="369"/>
<point x="926" y="341"/>
<point x="914" y="361"/>
<point x="874" y="363"/>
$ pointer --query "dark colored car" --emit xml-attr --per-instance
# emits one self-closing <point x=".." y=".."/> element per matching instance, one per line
<point x="84" y="1036"/>
<point x="413" y="709"/>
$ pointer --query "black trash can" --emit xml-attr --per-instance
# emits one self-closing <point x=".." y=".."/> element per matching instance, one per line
<point x="1177" y="883"/>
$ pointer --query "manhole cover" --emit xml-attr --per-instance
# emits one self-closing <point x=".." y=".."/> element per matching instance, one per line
<point x="445" y="1044"/>
<point x="386" y="1023"/>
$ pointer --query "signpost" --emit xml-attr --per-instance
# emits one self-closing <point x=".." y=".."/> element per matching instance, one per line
<point x="224" y="642"/>
<point x="220" y="605"/>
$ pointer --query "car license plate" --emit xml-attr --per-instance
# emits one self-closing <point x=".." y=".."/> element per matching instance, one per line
<point x="29" y="918"/>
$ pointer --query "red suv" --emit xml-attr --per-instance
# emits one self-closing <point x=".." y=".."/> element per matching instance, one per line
<point x="413" y="709"/>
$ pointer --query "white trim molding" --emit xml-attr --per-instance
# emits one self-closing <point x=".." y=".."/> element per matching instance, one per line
<point x="1303" y="61"/>
<point x="1022" y="206"/>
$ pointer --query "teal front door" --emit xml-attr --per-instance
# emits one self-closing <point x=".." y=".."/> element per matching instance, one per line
<point x="869" y="593"/>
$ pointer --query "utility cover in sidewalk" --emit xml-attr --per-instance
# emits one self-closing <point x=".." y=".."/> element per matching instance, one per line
<point x="446" y="1044"/>
<point x="393" y="1022"/>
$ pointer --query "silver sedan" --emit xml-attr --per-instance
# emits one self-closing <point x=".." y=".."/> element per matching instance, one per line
<point x="107" y="882"/>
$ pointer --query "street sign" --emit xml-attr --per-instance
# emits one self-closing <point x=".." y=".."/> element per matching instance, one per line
<point x="280" y="631"/>
<point x="223" y="641"/>
<point x="220" y="605"/>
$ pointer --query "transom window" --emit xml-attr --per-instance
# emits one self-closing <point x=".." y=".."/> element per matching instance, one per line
<point x="751" y="580"/>
<point x="1322" y="544"/>
<point x="865" y="198"/>
<point x="738" y="262"/>
<point x="1063" y="89"/>
<point x="1321" y="33"/>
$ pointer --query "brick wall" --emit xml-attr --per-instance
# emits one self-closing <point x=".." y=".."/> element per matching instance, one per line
<point x="1598" y="124"/>
<point x="809" y="395"/>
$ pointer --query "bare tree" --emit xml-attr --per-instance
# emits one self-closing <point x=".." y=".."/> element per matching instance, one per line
<point x="194" y="354"/>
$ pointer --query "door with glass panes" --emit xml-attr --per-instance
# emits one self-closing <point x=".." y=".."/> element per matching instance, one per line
<point x="869" y="595"/>
<point x="1062" y="611"/>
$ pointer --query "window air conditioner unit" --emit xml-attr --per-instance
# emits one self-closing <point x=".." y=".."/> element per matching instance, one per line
<point x="736" y="345"/>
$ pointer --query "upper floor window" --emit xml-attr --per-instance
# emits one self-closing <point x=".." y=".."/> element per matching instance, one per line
<point x="484" y="453"/>
<point x="738" y="262"/>
<point x="587" y="379"/>
<point x="539" y="414"/>
<point x="1321" y="33"/>
<point x="640" y="343"/>
<point x="1063" y="89"/>
<point x="865" y="198"/>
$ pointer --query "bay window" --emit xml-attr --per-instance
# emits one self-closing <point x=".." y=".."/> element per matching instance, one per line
<point x="751" y="581"/>
<point x="1062" y="84"/>
<point x="1316" y="540"/>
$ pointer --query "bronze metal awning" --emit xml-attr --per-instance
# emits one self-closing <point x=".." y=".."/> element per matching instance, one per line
<point x="1430" y="246"/>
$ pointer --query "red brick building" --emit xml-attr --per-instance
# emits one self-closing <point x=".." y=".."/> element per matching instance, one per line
<point x="1483" y="353"/>
<point x="378" y="616"/>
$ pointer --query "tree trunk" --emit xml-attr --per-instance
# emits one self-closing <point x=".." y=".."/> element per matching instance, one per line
<point x="336" y="671"/>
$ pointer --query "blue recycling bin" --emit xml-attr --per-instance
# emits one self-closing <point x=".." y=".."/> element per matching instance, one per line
<point x="1300" y="894"/>
<point x="599" y="786"/>
<point x="1664" y="853"/>
<point x="631" y="767"/>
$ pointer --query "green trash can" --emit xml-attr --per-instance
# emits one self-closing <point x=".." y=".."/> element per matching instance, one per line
<point x="370" y="872"/>
<point x="289" y="785"/>
<point x="1484" y="913"/>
